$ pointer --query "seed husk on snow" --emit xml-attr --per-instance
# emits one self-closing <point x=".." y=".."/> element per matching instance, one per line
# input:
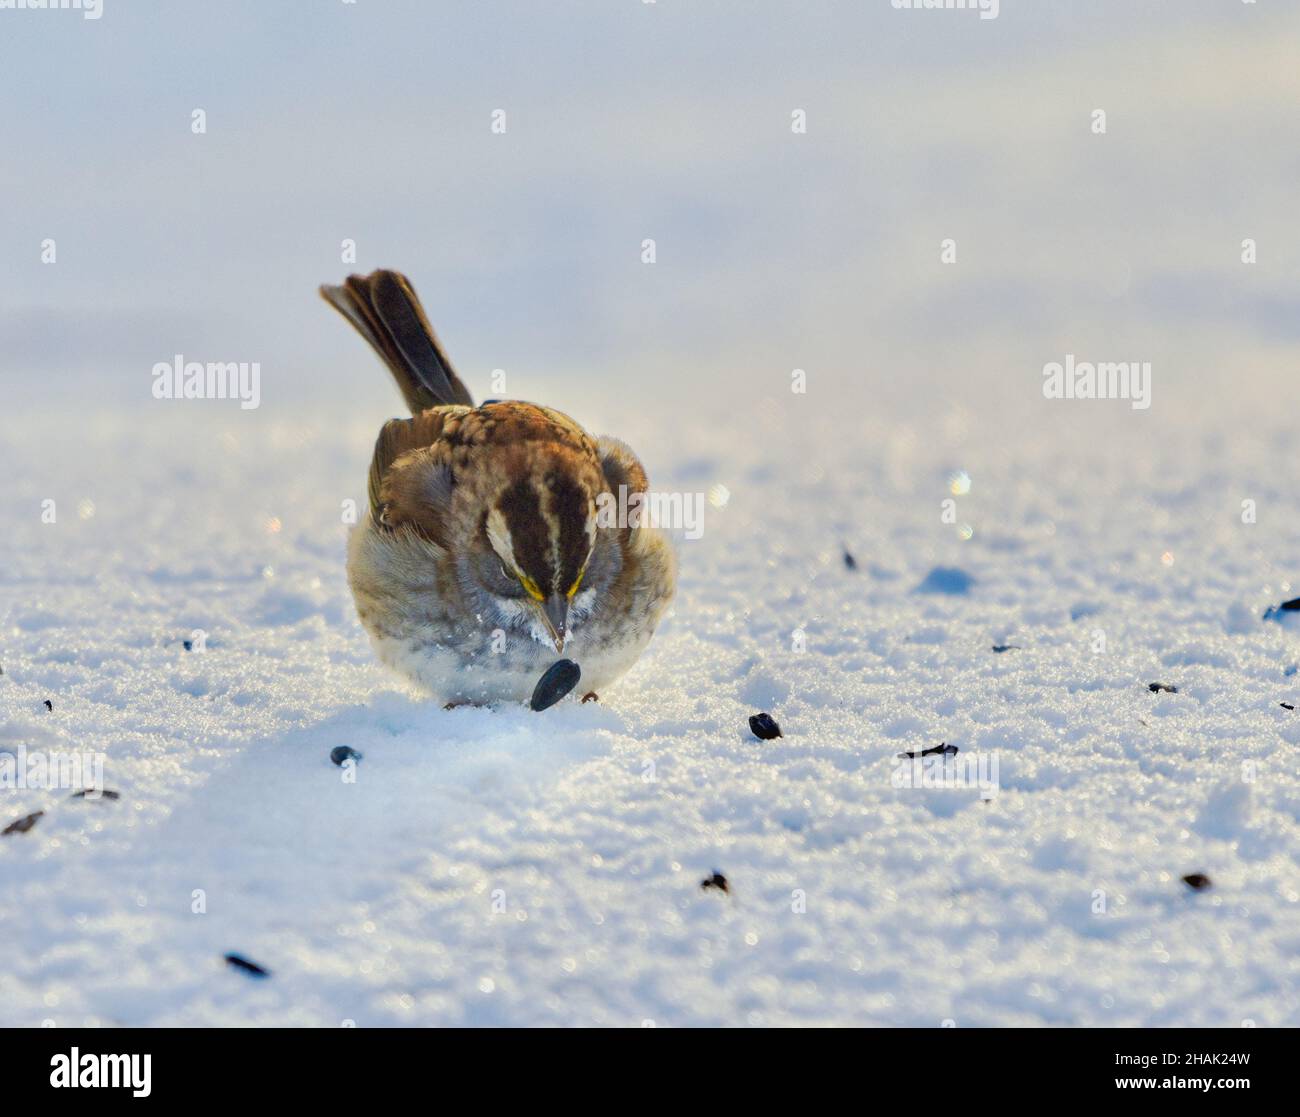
<point x="239" y="962"/>
<point x="764" y="727"/>
<point x="849" y="561"/>
<point x="716" y="880"/>
<point x="341" y="754"/>
<point x="84" y="793"/>
<point x="1197" y="882"/>
<point x="1291" y="606"/>
<point x="556" y="681"/>
<point x="1156" y="688"/>
<point x="938" y="750"/>
<point x="1286" y="705"/>
<point x="1005" y="647"/>
<point x="49" y="705"/>
<point x="22" y="825"/>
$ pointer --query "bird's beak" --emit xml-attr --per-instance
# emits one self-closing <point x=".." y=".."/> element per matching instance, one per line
<point x="555" y="615"/>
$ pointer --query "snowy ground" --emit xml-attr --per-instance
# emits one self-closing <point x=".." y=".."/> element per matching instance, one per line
<point x="503" y="867"/>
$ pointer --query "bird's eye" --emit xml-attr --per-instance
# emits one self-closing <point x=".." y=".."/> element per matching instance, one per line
<point x="497" y="579"/>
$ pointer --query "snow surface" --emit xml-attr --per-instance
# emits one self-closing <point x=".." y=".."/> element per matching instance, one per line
<point x="505" y="867"/>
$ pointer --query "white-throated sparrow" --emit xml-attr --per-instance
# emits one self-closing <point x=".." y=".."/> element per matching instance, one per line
<point x="482" y="556"/>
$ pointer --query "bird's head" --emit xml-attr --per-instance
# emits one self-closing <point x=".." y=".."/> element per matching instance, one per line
<point x="542" y="534"/>
<point x="510" y="491"/>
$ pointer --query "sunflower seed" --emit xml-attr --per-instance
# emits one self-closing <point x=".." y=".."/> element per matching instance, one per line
<point x="558" y="679"/>
<point x="764" y="727"/>
<point x="1156" y="688"/>
<point x="22" y="825"/>
<point x="239" y="962"/>
<point x="1286" y="607"/>
<point x="938" y="750"/>
<point x="716" y="880"/>
<point x="341" y="754"/>
<point x="1197" y="882"/>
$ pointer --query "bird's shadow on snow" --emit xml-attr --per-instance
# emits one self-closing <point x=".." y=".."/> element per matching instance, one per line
<point x="281" y="832"/>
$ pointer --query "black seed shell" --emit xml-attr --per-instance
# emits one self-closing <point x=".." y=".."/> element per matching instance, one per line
<point x="556" y="681"/>
<point x="239" y="962"/>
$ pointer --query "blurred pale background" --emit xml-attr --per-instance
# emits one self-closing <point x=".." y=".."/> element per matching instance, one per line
<point x="627" y="120"/>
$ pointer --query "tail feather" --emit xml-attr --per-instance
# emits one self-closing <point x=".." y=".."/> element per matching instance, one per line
<point x="386" y="311"/>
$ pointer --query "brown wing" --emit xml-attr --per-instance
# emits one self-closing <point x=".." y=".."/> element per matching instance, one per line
<point x="621" y="466"/>
<point x="410" y="475"/>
